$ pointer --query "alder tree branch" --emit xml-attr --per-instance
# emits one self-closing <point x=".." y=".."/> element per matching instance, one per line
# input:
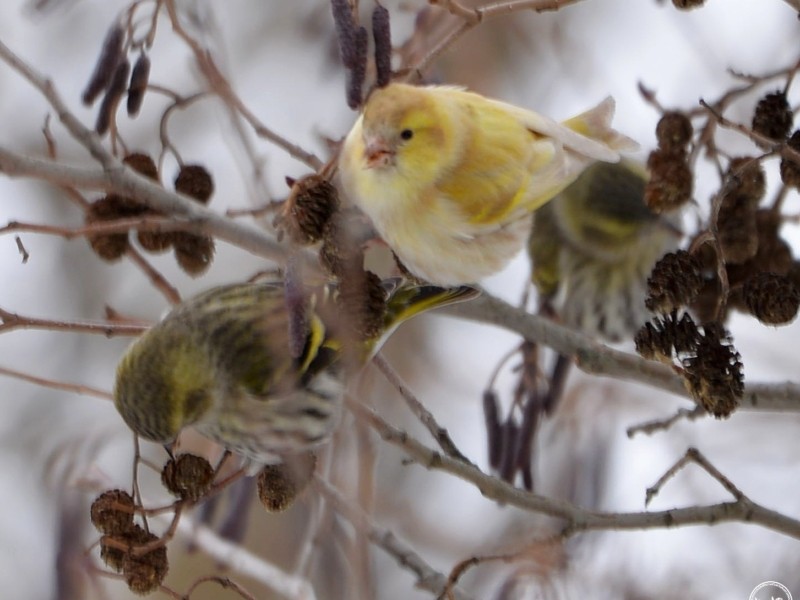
<point x="598" y="359"/>
<point x="572" y="518"/>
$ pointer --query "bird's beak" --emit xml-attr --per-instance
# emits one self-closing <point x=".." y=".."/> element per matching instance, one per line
<point x="377" y="153"/>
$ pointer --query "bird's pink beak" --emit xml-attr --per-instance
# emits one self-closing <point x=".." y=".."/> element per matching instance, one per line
<point x="378" y="153"/>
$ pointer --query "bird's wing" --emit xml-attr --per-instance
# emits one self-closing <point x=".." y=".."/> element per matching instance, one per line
<point x="589" y="133"/>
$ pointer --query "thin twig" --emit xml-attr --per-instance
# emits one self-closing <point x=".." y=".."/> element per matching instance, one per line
<point x="693" y="455"/>
<point x="220" y="85"/>
<point x="598" y="359"/>
<point x="10" y="321"/>
<point x="575" y="518"/>
<point x="224" y="582"/>
<point x="438" y="432"/>
<point x="157" y="279"/>
<point x="22" y="251"/>
<point x="472" y="17"/>
<point x="650" y="427"/>
<point x="83" y="390"/>
<point x="124" y="181"/>
<point x="462" y="567"/>
<point x="116" y="177"/>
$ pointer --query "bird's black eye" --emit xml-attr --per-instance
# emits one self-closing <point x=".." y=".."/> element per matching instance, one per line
<point x="406" y="134"/>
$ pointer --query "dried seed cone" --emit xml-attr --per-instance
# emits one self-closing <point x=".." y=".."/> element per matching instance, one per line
<point x="280" y="484"/>
<point x="774" y="254"/>
<point x="713" y="374"/>
<point x="746" y="179"/>
<point x="112" y="512"/>
<point x="794" y="273"/>
<point x="339" y="253"/>
<point x="152" y="241"/>
<point x="362" y="299"/>
<point x="674" y="283"/>
<point x="331" y="256"/>
<point x="155" y="242"/>
<point x="772" y="299"/>
<point x="687" y="4"/>
<point x="744" y="187"/>
<point x="670" y="184"/>
<point x="790" y="170"/>
<point x="737" y="231"/>
<point x="651" y="344"/>
<point x="309" y="209"/>
<point x="773" y="116"/>
<point x="674" y="131"/>
<point x="196" y="182"/>
<point x="704" y="306"/>
<point x="194" y="253"/>
<point x="189" y="477"/>
<point x="111" y="246"/>
<point x="111" y="556"/>
<point x="142" y="164"/>
<point x="666" y="337"/>
<point x="144" y="574"/>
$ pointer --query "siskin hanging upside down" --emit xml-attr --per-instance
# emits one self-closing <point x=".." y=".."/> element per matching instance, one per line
<point x="222" y="362"/>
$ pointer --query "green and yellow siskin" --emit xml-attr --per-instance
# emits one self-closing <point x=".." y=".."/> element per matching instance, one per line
<point x="593" y="247"/>
<point x="222" y="363"/>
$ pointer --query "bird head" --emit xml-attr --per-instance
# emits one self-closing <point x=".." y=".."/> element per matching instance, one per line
<point x="163" y="384"/>
<point x="402" y="127"/>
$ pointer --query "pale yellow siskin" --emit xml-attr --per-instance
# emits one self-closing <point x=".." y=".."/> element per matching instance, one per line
<point x="449" y="178"/>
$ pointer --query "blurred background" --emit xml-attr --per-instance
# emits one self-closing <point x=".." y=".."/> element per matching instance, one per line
<point x="58" y="449"/>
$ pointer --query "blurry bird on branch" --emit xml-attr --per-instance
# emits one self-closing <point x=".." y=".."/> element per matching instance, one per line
<point x="592" y="249"/>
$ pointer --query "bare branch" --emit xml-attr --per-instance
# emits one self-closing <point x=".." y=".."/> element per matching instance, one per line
<point x="82" y="390"/>
<point x="650" y="427"/>
<point x="10" y="321"/>
<point x="472" y="17"/>
<point x="693" y="455"/>
<point x="126" y="182"/>
<point x="438" y="432"/>
<point x="157" y="279"/>
<point x="575" y="518"/>
<point x="220" y="85"/>
<point x="598" y="359"/>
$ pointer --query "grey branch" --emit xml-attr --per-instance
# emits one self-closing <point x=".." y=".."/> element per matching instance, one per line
<point x="574" y="518"/>
<point x="598" y="359"/>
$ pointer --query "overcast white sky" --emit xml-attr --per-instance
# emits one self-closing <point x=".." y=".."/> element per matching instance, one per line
<point x="562" y="63"/>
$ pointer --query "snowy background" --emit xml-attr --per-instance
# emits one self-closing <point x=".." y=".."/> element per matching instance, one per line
<point x="279" y="57"/>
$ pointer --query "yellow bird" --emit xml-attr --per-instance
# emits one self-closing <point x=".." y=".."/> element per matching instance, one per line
<point x="593" y="247"/>
<point x="449" y="178"/>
